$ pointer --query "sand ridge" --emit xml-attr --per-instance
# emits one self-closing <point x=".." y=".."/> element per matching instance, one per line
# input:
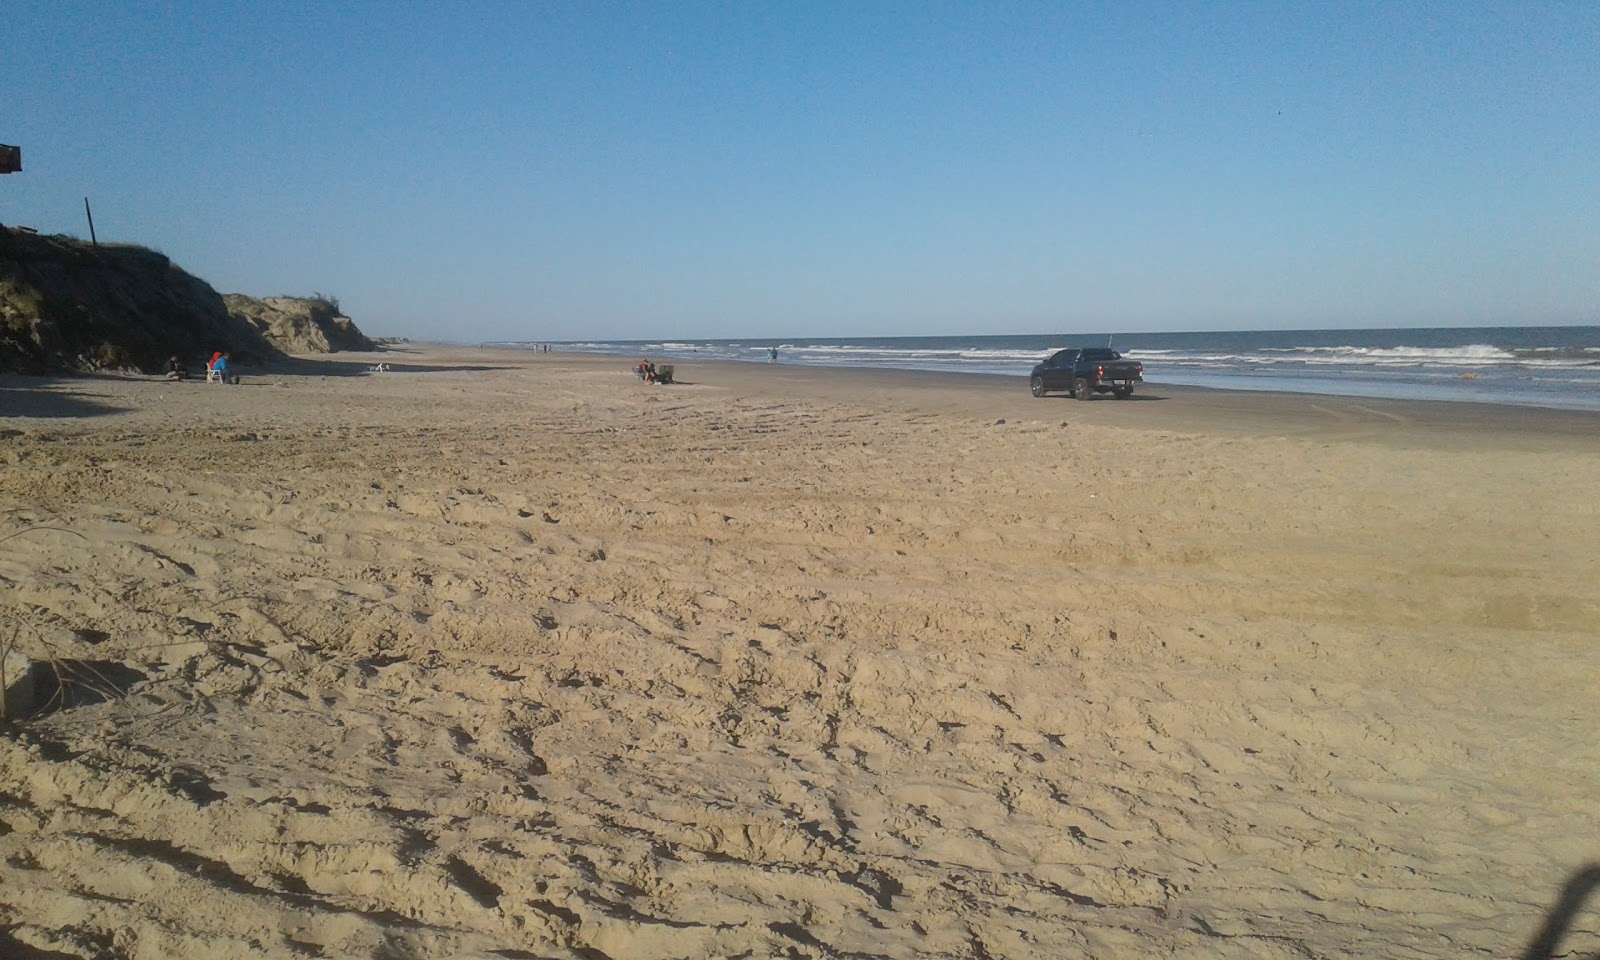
<point x="512" y="655"/>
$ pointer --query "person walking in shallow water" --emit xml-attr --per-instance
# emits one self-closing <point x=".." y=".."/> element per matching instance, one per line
<point x="772" y="355"/>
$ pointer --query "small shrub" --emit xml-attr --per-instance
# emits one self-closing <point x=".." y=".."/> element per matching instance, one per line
<point x="110" y="355"/>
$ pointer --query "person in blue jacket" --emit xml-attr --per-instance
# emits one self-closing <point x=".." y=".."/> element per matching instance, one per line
<point x="224" y="370"/>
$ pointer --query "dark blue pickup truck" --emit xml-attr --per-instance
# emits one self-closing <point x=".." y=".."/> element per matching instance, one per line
<point x="1086" y="373"/>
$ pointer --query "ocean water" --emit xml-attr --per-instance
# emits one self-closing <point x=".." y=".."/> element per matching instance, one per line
<point x="1533" y="366"/>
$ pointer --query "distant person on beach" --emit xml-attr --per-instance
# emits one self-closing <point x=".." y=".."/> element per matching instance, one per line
<point x="646" y="371"/>
<point x="175" y="370"/>
<point x="772" y="355"/>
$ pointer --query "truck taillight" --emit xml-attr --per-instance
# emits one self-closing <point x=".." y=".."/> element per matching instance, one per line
<point x="1100" y="372"/>
<point x="1141" y="369"/>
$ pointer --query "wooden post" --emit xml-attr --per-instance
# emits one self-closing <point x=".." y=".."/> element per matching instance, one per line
<point x="90" y="215"/>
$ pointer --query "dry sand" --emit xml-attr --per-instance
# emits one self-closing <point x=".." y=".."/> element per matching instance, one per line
<point x="511" y="655"/>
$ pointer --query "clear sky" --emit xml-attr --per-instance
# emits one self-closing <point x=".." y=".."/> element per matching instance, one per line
<point x="482" y="171"/>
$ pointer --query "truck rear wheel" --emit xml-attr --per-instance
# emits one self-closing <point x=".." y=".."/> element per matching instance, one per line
<point x="1081" y="390"/>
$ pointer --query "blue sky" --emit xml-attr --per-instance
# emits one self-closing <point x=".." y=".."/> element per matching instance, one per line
<point x="474" y="171"/>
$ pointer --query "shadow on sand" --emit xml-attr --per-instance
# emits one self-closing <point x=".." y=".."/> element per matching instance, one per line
<point x="1558" y="921"/>
<point x="50" y="398"/>
<point x="302" y="367"/>
<point x="68" y="396"/>
<point x="1133" y="399"/>
<point x="12" y="947"/>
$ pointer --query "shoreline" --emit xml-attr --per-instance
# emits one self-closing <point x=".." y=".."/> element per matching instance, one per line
<point x="1442" y="423"/>
<point x="1540" y="367"/>
<point x="1155" y="406"/>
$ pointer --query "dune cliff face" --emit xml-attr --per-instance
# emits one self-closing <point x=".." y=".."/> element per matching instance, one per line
<point x="67" y="305"/>
<point x="299" y="324"/>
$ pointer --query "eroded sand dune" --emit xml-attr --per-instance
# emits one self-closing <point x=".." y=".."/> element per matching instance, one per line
<point x="540" y="661"/>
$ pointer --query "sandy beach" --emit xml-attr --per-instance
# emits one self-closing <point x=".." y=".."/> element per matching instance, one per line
<point x="504" y="654"/>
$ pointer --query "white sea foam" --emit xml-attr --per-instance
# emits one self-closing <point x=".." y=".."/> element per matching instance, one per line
<point x="1546" y="367"/>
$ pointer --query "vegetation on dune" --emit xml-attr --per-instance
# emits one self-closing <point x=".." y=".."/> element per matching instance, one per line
<point x="70" y="305"/>
<point x="299" y="324"/>
<point x="66" y="304"/>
